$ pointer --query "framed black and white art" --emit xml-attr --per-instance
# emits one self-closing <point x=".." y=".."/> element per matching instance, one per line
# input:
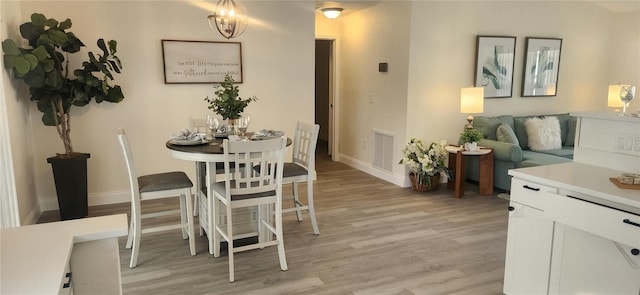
<point x="494" y="65"/>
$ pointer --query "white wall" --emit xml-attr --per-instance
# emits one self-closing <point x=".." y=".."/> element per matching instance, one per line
<point x="443" y="57"/>
<point x="278" y="65"/>
<point x="19" y="125"/>
<point x="624" y="62"/>
<point x="370" y="99"/>
<point x="442" y="45"/>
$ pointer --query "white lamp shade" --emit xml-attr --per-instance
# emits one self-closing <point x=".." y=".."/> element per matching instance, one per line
<point x="613" y="100"/>
<point x="331" y="12"/>
<point x="472" y="100"/>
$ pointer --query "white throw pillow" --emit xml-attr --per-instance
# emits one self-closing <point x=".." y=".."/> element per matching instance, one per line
<point x="543" y="133"/>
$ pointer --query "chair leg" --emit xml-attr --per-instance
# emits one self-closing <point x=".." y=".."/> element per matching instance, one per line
<point x="137" y="234"/>
<point x="183" y="215"/>
<point x="212" y="209"/>
<point x="230" y="243"/>
<point x="214" y="235"/>
<point x="312" y="210"/>
<point x="130" y="236"/>
<point x="296" y="201"/>
<point x="279" y="237"/>
<point x="190" y="229"/>
<point x="196" y="195"/>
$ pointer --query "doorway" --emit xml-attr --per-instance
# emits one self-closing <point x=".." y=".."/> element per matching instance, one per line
<point x="324" y="96"/>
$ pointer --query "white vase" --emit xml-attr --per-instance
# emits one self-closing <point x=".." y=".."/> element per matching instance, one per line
<point x="471" y="146"/>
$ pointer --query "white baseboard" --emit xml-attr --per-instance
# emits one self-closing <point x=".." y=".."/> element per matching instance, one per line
<point x="399" y="180"/>
<point x="51" y="203"/>
<point x="33" y="217"/>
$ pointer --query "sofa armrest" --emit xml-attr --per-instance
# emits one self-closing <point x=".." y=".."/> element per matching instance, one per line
<point x="503" y="151"/>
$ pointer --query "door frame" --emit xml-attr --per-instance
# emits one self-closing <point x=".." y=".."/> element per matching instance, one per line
<point x="334" y="95"/>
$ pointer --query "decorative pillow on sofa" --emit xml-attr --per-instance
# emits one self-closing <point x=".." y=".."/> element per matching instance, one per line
<point x="543" y="133"/>
<point x="504" y="133"/>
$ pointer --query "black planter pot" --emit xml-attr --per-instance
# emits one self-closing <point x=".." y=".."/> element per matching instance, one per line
<point x="70" y="175"/>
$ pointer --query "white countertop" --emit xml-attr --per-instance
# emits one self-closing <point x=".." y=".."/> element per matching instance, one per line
<point x="610" y="116"/>
<point x="33" y="258"/>
<point x="591" y="181"/>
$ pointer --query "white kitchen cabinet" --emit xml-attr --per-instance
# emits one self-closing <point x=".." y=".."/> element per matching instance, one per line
<point x="36" y="258"/>
<point x="571" y="231"/>
<point x="584" y="263"/>
<point x="529" y="241"/>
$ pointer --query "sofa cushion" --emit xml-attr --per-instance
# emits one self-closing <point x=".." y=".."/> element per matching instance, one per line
<point x="505" y="133"/>
<point x="532" y="159"/>
<point x="521" y="132"/>
<point x="543" y="134"/>
<point x="565" y="152"/>
<point x="571" y="131"/>
<point x="489" y="125"/>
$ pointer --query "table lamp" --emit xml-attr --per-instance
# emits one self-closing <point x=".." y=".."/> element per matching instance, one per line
<point x="471" y="102"/>
<point x="613" y="100"/>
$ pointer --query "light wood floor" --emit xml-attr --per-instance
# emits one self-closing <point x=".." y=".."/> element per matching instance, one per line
<point x="375" y="238"/>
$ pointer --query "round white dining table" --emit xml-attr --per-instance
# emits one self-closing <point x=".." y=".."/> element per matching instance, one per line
<point x="209" y="153"/>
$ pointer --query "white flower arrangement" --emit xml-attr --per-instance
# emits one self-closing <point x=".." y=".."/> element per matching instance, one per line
<point x="425" y="162"/>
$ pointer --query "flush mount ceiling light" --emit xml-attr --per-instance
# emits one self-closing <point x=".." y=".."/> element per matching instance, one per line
<point x="331" y="12"/>
<point x="229" y="18"/>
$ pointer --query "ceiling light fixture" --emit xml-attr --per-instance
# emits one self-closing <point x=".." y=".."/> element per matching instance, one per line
<point x="332" y="12"/>
<point x="229" y="18"/>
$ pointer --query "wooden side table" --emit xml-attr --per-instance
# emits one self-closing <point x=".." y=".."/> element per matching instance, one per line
<point x="456" y="163"/>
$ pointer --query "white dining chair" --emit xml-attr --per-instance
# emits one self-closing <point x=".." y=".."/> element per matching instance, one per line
<point x="156" y="186"/>
<point x="248" y="187"/>
<point x="302" y="169"/>
<point x="200" y="125"/>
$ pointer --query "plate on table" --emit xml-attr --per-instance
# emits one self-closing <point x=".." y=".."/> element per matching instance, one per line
<point x="189" y="142"/>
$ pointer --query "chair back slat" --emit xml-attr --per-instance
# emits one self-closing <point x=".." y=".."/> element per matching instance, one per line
<point x="304" y="145"/>
<point x="126" y="151"/>
<point x="265" y="154"/>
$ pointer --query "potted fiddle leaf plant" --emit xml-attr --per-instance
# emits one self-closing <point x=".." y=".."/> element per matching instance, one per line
<point x="228" y="103"/>
<point x="44" y="67"/>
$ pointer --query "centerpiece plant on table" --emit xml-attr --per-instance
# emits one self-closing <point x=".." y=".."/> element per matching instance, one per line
<point x="425" y="164"/>
<point x="227" y="102"/>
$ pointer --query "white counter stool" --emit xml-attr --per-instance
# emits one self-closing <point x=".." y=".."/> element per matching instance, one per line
<point x="302" y="169"/>
<point x="247" y="188"/>
<point x="156" y="186"/>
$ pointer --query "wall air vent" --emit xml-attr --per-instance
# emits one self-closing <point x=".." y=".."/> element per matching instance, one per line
<point x="383" y="150"/>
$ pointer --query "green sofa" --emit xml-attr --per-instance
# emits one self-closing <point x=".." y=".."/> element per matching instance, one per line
<point x="508" y="156"/>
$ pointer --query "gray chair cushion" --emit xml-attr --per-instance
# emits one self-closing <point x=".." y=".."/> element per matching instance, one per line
<point x="219" y="188"/>
<point x="163" y="181"/>
<point x="291" y="170"/>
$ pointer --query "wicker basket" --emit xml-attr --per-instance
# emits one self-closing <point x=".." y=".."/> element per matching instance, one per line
<point x="421" y="187"/>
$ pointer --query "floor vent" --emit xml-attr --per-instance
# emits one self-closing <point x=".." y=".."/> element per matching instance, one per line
<point x="383" y="150"/>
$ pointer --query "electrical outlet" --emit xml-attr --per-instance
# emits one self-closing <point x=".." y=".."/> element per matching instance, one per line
<point x="370" y="97"/>
<point x="364" y="144"/>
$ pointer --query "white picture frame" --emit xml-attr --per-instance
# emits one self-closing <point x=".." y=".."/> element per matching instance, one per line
<point x="201" y="62"/>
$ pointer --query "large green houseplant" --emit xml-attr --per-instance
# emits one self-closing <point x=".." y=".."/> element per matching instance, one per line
<point x="44" y="68"/>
